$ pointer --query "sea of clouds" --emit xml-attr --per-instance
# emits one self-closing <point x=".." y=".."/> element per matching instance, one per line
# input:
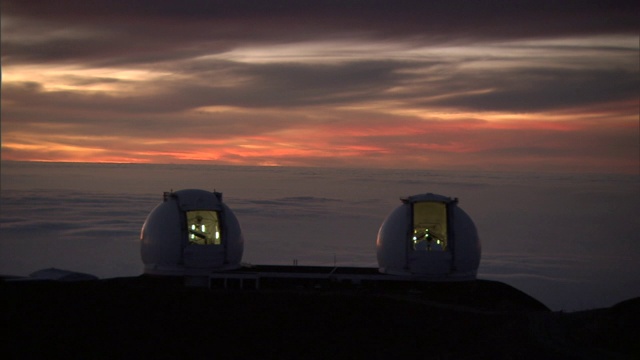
<point x="571" y="241"/>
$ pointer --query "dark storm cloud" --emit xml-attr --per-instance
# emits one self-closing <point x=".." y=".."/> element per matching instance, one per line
<point x="535" y="89"/>
<point x="170" y="35"/>
<point x="269" y="85"/>
<point x="142" y="117"/>
<point x="296" y="84"/>
<point x="396" y="17"/>
<point x="388" y="83"/>
<point x="152" y="31"/>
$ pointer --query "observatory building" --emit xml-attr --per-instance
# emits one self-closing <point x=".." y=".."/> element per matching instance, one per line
<point x="429" y="236"/>
<point x="191" y="232"/>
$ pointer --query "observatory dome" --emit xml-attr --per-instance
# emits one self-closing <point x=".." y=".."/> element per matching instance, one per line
<point x="429" y="236"/>
<point x="191" y="232"/>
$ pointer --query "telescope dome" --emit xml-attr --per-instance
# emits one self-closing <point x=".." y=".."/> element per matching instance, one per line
<point x="191" y="232"/>
<point x="429" y="236"/>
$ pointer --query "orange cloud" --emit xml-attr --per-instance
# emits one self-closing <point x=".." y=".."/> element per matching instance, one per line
<point x="551" y="141"/>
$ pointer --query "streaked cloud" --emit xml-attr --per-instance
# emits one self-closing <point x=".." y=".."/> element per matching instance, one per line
<point x="526" y="85"/>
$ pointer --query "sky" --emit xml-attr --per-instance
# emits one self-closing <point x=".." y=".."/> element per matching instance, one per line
<point x="543" y="85"/>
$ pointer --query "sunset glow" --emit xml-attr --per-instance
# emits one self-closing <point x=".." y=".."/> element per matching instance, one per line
<point x="123" y="85"/>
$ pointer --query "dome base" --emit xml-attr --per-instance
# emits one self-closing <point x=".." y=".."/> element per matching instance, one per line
<point x="168" y="270"/>
<point x="430" y="277"/>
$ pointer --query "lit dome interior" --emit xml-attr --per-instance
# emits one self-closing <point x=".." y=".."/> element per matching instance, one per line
<point x="429" y="236"/>
<point x="191" y="231"/>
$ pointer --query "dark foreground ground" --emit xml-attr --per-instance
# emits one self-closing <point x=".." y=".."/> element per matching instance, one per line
<point x="162" y="319"/>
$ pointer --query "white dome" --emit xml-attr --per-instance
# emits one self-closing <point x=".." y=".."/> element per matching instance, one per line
<point x="191" y="232"/>
<point x="431" y="237"/>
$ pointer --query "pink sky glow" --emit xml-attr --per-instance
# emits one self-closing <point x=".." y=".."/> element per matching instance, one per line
<point x="413" y="85"/>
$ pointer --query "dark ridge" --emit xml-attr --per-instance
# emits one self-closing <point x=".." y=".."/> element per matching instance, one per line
<point x="159" y="317"/>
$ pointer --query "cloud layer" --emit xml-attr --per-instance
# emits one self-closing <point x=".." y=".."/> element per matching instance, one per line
<point x="403" y="84"/>
<point x="570" y="241"/>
